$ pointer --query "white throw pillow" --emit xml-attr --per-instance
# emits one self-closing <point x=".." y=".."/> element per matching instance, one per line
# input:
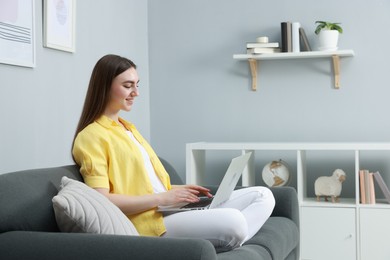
<point x="81" y="209"/>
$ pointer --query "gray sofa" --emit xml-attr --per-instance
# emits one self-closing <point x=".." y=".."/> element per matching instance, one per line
<point x="28" y="228"/>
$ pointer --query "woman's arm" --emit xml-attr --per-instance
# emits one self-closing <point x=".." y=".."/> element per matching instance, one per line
<point x="137" y="204"/>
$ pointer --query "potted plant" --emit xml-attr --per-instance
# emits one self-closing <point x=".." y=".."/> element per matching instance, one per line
<point x="328" y="35"/>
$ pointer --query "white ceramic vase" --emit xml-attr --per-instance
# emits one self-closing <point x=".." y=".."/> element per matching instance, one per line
<point x="328" y="40"/>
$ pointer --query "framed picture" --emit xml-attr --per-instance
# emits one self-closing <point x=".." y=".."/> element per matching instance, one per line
<point x="17" y="32"/>
<point x="59" y="24"/>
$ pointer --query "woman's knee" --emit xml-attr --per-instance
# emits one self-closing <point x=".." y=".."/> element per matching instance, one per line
<point x="235" y="227"/>
<point x="269" y="197"/>
<point x="264" y="196"/>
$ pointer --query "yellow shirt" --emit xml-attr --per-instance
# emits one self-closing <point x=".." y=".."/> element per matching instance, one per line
<point x="109" y="159"/>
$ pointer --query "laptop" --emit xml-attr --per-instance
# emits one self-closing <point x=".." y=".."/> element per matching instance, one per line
<point x="225" y="189"/>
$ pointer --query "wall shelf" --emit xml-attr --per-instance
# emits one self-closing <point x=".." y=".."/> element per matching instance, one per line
<point x="253" y="61"/>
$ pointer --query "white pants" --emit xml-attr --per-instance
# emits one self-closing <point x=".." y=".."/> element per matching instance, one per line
<point x="229" y="225"/>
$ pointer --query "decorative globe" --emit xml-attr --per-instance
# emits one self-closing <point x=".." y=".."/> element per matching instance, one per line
<point x="276" y="174"/>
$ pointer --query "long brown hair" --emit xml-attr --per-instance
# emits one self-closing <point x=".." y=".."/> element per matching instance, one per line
<point x="98" y="94"/>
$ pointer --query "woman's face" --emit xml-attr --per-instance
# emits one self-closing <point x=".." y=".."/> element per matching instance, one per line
<point x="124" y="88"/>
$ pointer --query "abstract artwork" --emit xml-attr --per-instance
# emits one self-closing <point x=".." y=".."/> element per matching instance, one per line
<point x="17" y="32"/>
<point x="59" y="24"/>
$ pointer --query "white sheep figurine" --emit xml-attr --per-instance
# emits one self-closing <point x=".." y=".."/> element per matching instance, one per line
<point x="330" y="186"/>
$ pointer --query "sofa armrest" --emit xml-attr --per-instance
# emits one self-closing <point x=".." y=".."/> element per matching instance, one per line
<point x="286" y="203"/>
<point x="49" y="245"/>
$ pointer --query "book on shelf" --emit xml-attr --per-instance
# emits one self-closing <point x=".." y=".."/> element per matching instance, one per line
<point x="286" y="28"/>
<point x="367" y="188"/>
<point x="262" y="45"/>
<point x="304" y="41"/>
<point x="382" y="185"/>
<point x="362" y="187"/>
<point x="295" y="37"/>
<point x="372" y="188"/>
<point x="262" y="50"/>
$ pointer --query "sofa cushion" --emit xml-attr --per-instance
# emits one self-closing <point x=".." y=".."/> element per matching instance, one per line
<point x="246" y="252"/>
<point x="26" y="198"/>
<point x="279" y="235"/>
<point x="79" y="208"/>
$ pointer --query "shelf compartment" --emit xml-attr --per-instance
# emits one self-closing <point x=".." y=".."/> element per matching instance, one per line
<point x="315" y="163"/>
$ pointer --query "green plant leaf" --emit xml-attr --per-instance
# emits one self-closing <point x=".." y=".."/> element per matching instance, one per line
<point x="327" y="25"/>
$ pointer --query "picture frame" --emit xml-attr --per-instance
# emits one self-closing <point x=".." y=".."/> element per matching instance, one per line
<point x="17" y="33"/>
<point x="59" y="24"/>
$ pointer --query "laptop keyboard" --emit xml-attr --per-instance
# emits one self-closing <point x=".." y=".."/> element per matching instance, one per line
<point x="204" y="201"/>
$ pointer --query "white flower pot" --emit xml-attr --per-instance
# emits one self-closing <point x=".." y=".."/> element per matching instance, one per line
<point x="328" y="40"/>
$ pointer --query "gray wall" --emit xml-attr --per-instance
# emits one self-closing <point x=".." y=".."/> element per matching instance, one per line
<point x="200" y="93"/>
<point x="197" y="91"/>
<point x="40" y="107"/>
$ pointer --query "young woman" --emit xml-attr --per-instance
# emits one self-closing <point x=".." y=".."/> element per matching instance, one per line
<point x="118" y="162"/>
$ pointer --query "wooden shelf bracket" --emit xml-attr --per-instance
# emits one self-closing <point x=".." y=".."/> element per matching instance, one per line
<point x="253" y="67"/>
<point x="336" y="71"/>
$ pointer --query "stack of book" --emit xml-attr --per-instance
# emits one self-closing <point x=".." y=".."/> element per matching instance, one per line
<point x="294" y="38"/>
<point x="262" y="47"/>
<point x="367" y="187"/>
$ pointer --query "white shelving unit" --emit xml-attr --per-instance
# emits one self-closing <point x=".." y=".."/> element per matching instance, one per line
<point x="254" y="59"/>
<point x="344" y="230"/>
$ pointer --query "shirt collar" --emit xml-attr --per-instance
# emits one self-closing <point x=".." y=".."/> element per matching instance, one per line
<point x="109" y="123"/>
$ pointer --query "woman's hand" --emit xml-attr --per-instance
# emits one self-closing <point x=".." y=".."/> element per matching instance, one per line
<point x="199" y="189"/>
<point x="183" y="193"/>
